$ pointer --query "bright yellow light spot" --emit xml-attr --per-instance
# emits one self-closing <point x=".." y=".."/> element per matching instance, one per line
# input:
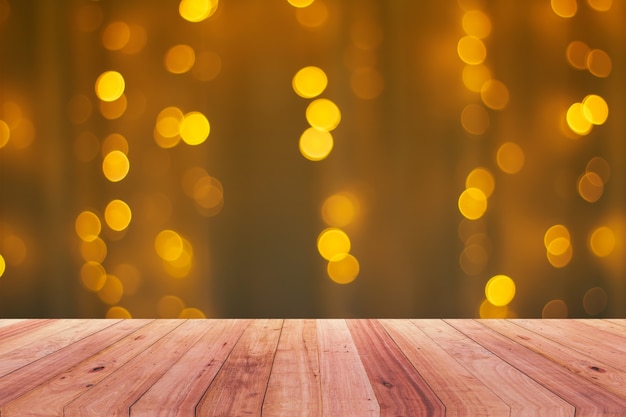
<point x="489" y="311"/>
<point x="300" y="3"/>
<point x="554" y="309"/>
<point x="117" y="312"/>
<point x="482" y="179"/>
<point x="195" y="128"/>
<point x="168" y="245"/>
<point x="316" y="144"/>
<point x="558" y="246"/>
<point x="500" y="290"/>
<point x="577" y="121"/>
<point x="5" y="133"/>
<point x="333" y="243"/>
<point x="110" y="86"/>
<point x="115" y="166"/>
<point x="474" y="76"/>
<point x="95" y="251"/>
<point x="476" y="23"/>
<point x="472" y="203"/>
<point x="599" y="63"/>
<point x="323" y="114"/>
<point x="600" y="5"/>
<point x="117" y="215"/>
<point x="602" y="241"/>
<point x="594" y="301"/>
<point x="191" y="313"/>
<point x="564" y="8"/>
<point x="340" y="209"/>
<point x="170" y="306"/>
<point x="475" y="119"/>
<point x="112" y="110"/>
<point x="112" y="290"/>
<point x="576" y="54"/>
<point x="312" y="16"/>
<point x="510" y="158"/>
<point x="590" y="187"/>
<point x="559" y="260"/>
<point x="114" y="142"/>
<point x="343" y="269"/>
<point x="366" y="83"/>
<point x="88" y="226"/>
<point x="179" y="59"/>
<point x="494" y="94"/>
<point x="167" y="129"/>
<point x="600" y="166"/>
<point x="309" y="82"/>
<point x="197" y="10"/>
<point x="116" y="36"/>
<point x="3" y="265"/>
<point x="93" y="276"/>
<point x="558" y="231"/>
<point x="181" y="266"/>
<point x="207" y="67"/>
<point x="471" y="50"/>
<point x="595" y="109"/>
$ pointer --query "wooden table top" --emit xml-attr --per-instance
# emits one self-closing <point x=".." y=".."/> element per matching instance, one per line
<point x="329" y="367"/>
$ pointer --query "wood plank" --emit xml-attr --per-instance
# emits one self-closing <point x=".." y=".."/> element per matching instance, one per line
<point x="579" y="363"/>
<point x="398" y="386"/>
<point x="528" y="399"/>
<point x="114" y="395"/>
<point x="34" y="332"/>
<point x="461" y="393"/>
<point x="609" y="326"/>
<point x="346" y="390"/>
<point x="47" y="340"/>
<point x="293" y="389"/>
<point x="239" y="387"/>
<point x="14" y="327"/>
<point x="49" y="367"/>
<point x="620" y="322"/>
<point x="181" y="388"/>
<point x="589" y="399"/>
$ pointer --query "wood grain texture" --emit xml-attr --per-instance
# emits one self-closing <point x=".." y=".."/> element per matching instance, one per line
<point x="313" y="368"/>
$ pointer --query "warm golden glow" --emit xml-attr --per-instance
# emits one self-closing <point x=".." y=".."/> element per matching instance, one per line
<point x="475" y="119"/>
<point x="5" y="133"/>
<point x="207" y="66"/>
<point x="601" y="167"/>
<point x="366" y="83"/>
<point x="558" y="246"/>
<point x="181" y="266"/>
<point x="472" y="203"/>
<point x="3" y="265"/>
<point x="191" y="313"/>
<point x="558" y="231"/>
<point x="343" y="269"/>
<point x="115" y="166"/>
<point x="112" y="291"/>
<point x="577" y="121"/>
<point x="494" y="94"/>
<point x="489" y="311"/>
<point x="333" y="243"/>
<point x="130" y="276"/>
<point x="500" y="290"/>
<point x="482" y="179"/>
<point x="595" y="301"/>
<point x="112" y="110"/>
<point x="313" y="16"/>
<point x="110" y="86"/>
<point x="117" y="215"/>
<point x="590" y="187"/>
<point x="195" y="128"/>
<point x="476" y="23"/>
<point x="475" y="76"/>
<point x="300" y="3"/>
<point x="564" y="8"/>
<point x="88" y="226"/>
<point x="170" y="306"/>
<point x="117" y="312"/>
<point x="116" y="36"/>
<point x="114" y="142"/>
<point x="169" y="245"/>
<point x="595" y="109"/>
<point x="94" y="250"/>
<point x="323" y="114"/>
<point x="510" y="157"/>
<point x="309" y="82"/>
<point x="576" y="54"/>
<point x="554" y="309"/>
<point x="602" y="241"/>
<point x="179" y="59"/>
<point x="197" y="10"/>
<point x="316" y="144"/>
<point x="340" y="209"/>
<point x="599" y="63"/>
<point x="471" y="50"/>
<point x="473" y="259"/>
<point x="93" y="276"/>
<point x="600" y="5"/>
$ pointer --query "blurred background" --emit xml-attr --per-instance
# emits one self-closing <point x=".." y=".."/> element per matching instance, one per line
<point x="312" y="158"/>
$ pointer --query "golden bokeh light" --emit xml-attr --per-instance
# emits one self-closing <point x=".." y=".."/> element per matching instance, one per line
<point x="137" y="40"/>
<point x="170" y="306"/>
<point x="558" y="245"/>
<point x="333" y="243"/>
<point x="114" y="142"/>
<point x="476" y="23"/>
<point x="475" y="119"/>
<point x="472" y="203"/>
<point x="112" y="291"/>
<point x="602" y="241"/>
<point x="600" y="5"/>
<point x="599" y="63"/>
<point x="600" y="166"/>
<point x="116" y="36"/>
<point x="595" y="301"/>
<point x="208" y="193"/>
<point x="554" y="309"/>
<point x="110" y="86"/>
<point x="489" y="311"/>
<point x="500" y="290"/>
<point x="510" y="157"/>
<point x="577" y="121"/>
<point x="115" y="166"/>
<point x="313" y="16"/>
<point x="494" y="94"/>
<point x="309" y="82"/>
<point x="118" y="312"/>
<point x="576" y="54"/>
<point x="207" y="66"/>
<point x="179" y="59"/>
<point x="191" y="313"/>
<point x="340" y="209"/>
<point x="475" y="76"/>
<point x="482" y="179"/>
<point x="197" y="10"/>
<point x="115" y="109"/>
<point x="471" y="50"/>
<point x="556" y="231"/>
<point x="167" y="128"/>
<point x="87" y="226"/>
<point x="195" y="128"/>
<point x="168" y="245"/>
<point x="564" y="8"/>
<point x="300" y="3"/>
<point x="316" y="144"/>
<point x="3" y="265"/>
<point x="93" y="276"/>
<point x="94" y="250"/>
<point x="590" y="187"/>
<point x="595" y="109"/>
<point x="323" y="114"/>
<point x="343" y="269"/>
<point x="366" y="83"/>
<point x="117" y="215"/>
<point x="5" y="133"/>
<point x="181" y="266"/>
